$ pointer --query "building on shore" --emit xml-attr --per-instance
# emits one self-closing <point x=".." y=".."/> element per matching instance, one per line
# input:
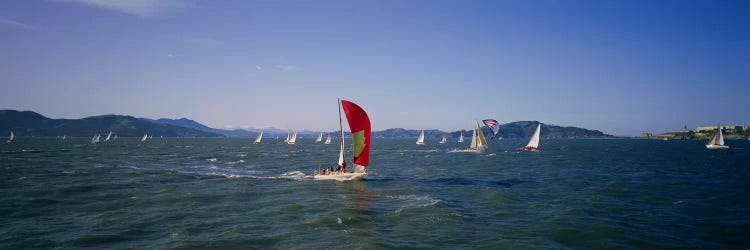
<point x="685" y="129"/>
<point x="646" y="135"/>
<point x="709" y="128"/>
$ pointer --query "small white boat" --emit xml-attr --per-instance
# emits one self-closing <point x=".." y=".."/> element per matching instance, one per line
<point x="293" y="138"/>
<point x="534" y="141"/>
<point x="359" y="123"/>
<point x="320" y="138"/>
<point x="420" y="139"/>
<point x="10" y="138"/>
<point x="444" y="140"/>
<point x="109" y="136"/>
<point x="287" y="137"/>
<point x="461" y="138"/>
<point x="260" y="137"/>
<point x="328" y="139"/>
<point x="145" y="137"/>
<point x="95" y="139"/>
<point x="64" y="136"/>
<point x="717" y="141"/>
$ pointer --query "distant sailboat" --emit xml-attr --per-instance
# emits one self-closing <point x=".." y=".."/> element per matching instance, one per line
<point x="287" y="137"/>
<point x="359" y="123"/>
<point x="478" y="142"/>
<point x="534" y="141"/>
<point x="420" y="139"/>
<point x="114" y="138"/>
<point x="292" y="138"/>
<point x="328" y="139"/>
<point x="95" y="139"/>
<point x="64" y="136"/>
<point x="108" y="136"/>
<point x="717" y="141"/>
<point x="260" y="137"/>
<point x="461" y="138"/>
<point x="320" y="138"/>
<point x="145" y="137"/>
<point x="444" y="140"/>
<point x="10" y="139"/>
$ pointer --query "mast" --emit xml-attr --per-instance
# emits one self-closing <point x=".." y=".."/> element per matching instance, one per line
<point x="341" y="128"/>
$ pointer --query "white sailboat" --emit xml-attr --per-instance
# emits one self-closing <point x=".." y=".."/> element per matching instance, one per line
<point x="717" y="141"/>
<point x="420" y="139"/>
<point x="95" y="139"/>
<point x="461" y="138"/>
<point x="287" y="137"/>
<point x="64" y="136"/>
<point x="534" y="141"/>
<point x="10" y="138"/>
<point x="444" y="140"/>
<point x="320" y="137"/>
<point x="478" y="142"/>
<point x="328" y="139"/>
<point x="260" y="137"/>
<point x="145" y="137"/>
<point x="292" y="138"/>
<point x="359" y="124"/>
<point x="108" y="136"/>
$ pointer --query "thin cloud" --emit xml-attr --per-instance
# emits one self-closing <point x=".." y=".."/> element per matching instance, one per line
<point x="14" y="24"/>
<point x="259" y="67"/>
<point x="143" y="8"/>
<point x="287" y="67"/>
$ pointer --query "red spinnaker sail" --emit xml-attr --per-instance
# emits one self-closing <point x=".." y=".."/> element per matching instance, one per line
<point x="359" y="123"/>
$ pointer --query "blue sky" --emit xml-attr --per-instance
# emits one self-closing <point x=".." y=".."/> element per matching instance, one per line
<point x="621" y="67"/>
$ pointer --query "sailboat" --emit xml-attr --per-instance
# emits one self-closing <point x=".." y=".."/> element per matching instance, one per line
<point x="114" y="138"/>
<point x="328" y="139"/>
<point x="444" y="140"/>
<point x="260" y="137"/>
<point x="145" y="137"/>
<point x="95" y="139"/>
<point x="359" y="124"/>
<point x="10" y="139"/>
<point x="420" y="139"/>
<point x="478" y="142"/>
<point x="292" y="138"/>
<point x="108" y="136"/>
<point x="287" y="137"/>
<point x="461" y="138"/>
<point x="320" y="137"/>
<point x="64" y="136"/>
<point x="534" y="141"/>
<point x="717" y="141"/>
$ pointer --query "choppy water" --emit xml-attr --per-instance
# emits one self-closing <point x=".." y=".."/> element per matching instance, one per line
<point x="228" y="193"/>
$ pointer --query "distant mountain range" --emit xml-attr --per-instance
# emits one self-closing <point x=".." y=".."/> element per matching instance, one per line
<point x="28" y="123"/>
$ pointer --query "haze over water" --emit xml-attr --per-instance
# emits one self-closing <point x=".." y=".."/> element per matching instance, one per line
<point x="228" y="193"/>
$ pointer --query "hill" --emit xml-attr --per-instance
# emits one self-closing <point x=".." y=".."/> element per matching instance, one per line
<point x="519" y="129"/>
<point x="28" y="123"/>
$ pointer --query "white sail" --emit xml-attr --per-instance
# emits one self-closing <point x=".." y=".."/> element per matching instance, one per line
<point x="328" y="139"/>
<point x="292" y="138"/>
<point x="260" y="137"/>
<point x="461" y="139"/>
<point x="420" y="139"/>
<point x="320" y="137"/>
<point x="145" y="137"/>
<point x="64" y="136"/>
<point x="10" y="139"/>
<point x="287" y="137"/>
<point x="720" y="139"/>
<point x="444" y="140"/>
<point x="96" y="138"/>
<point x="473" y="144"/>
<point x="478" y="142"/>
<point x="108" y="136"/>
<point x="534" y="141"/>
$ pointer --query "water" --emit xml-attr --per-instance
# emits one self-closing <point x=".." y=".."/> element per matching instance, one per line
<point x="228" y="193"/>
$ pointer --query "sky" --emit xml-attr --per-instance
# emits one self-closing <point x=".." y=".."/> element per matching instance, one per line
<point x="621" y="67"/>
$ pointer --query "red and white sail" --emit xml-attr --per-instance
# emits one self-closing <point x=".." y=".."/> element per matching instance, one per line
<point x="359" y="124"/>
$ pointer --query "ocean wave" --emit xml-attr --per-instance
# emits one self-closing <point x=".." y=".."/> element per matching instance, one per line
<point x="414" y="201"/>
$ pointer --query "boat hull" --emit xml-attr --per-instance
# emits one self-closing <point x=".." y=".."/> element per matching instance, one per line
<point x="717" y="147"/>
<point x="340" y="176"/>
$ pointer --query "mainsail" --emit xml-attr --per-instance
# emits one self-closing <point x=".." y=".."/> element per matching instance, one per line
<point x="461" y="138"/>
<point x="145" y="137"/>
<point x="10" y="139"/>
<point x="420" y="139"/>
<point x="534" y="141"/>
<point x="108" y="136"/>
<point x="260" y="137"/>
<point x="478" y="142"/>
<point x="444" y="140"/>
<point x="320" y="137"/>
<point x="359" y="124"/>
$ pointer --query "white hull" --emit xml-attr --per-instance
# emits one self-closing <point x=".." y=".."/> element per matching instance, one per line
<point x="340" y="176"/>
<point x="717" y="147"/>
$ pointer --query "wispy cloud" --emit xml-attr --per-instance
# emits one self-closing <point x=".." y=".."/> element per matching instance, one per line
<point x="143" y="8"/>
<point x="287" y="67"/>
<point x="259" y="67"/>
<point x="14" y="24"/>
